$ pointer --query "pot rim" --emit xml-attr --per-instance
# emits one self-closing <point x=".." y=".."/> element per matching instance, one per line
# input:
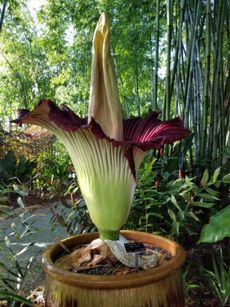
<point x="106" y="282"/>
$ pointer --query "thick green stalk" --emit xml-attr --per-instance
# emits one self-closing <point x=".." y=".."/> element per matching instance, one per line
<point x="108" y="235"/>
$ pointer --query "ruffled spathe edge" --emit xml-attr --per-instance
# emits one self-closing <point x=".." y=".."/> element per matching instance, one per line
<point x="143" y="134"/>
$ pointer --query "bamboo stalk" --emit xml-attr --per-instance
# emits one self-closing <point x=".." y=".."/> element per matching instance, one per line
<point x="189" y="77"/>
<point x="227" y="81"/>
<point x="216" y="83"/>
<point x="221" y="87"/>
<point x="211" y="112"/>
<point x="227" y="104"/>
<point x="197" y="101"/>
<point x="155" y="89"/>
<point x="182" y="73"/>
<point x="167" y="102"/>
<point x="203" y="146"/>
<point x="179" y="38"/>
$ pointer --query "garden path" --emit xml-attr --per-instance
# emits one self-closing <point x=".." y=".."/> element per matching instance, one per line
<point x="40" y="235"/>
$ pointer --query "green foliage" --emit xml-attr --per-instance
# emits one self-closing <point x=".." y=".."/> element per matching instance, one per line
<point x="16" y="176"/>
<point x="10" y="297"/>
<point x="165" y="204"/>
<point x="54" y="171"/>
<point x="5" y="190"/>
<point x="11" y="280"/>
<point x="185" y="72"/>
<point x="11" y="168"/>
<point x="218" y="227"/>
<point x="75" y="218"/>
<point x="218" y="278"/>
<point x="74" y="221"/>
<point x="4" y="212"/>
<point x="14" y="271"/>
<point x="170" y="56"/>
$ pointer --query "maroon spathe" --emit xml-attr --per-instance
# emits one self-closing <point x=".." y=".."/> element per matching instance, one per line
<point x="143" y="133"/>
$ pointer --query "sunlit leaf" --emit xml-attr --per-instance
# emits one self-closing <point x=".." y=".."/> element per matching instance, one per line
<point x="216" y="175"/>
<point x="174" y="201"/>
<point x="218" y="227"/>
<point x="172" y="214"/>
<point x="20" y="202"/>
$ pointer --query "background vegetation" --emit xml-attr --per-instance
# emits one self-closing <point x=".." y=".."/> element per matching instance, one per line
<point x="170" y="56"/>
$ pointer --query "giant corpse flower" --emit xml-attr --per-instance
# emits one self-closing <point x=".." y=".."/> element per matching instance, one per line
<point x="105" y="150"/>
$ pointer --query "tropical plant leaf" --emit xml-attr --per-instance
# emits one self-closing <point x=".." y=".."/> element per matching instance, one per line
<point x="218" y="228"/>
<point x="216" y="175"/>
<point x="203" y="204"/>
<point x="174" y="201"/>
<point x="205" y="178"/>
<point x="226" y="178"/>
<point x="172" y="215"/>
<point x="207" y="196"/>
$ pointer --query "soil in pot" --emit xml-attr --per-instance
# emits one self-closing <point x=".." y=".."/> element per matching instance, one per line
<point x="99" y="260"/>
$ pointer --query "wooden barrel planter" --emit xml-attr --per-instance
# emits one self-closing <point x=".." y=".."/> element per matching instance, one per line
<point x="156" y="287"/>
